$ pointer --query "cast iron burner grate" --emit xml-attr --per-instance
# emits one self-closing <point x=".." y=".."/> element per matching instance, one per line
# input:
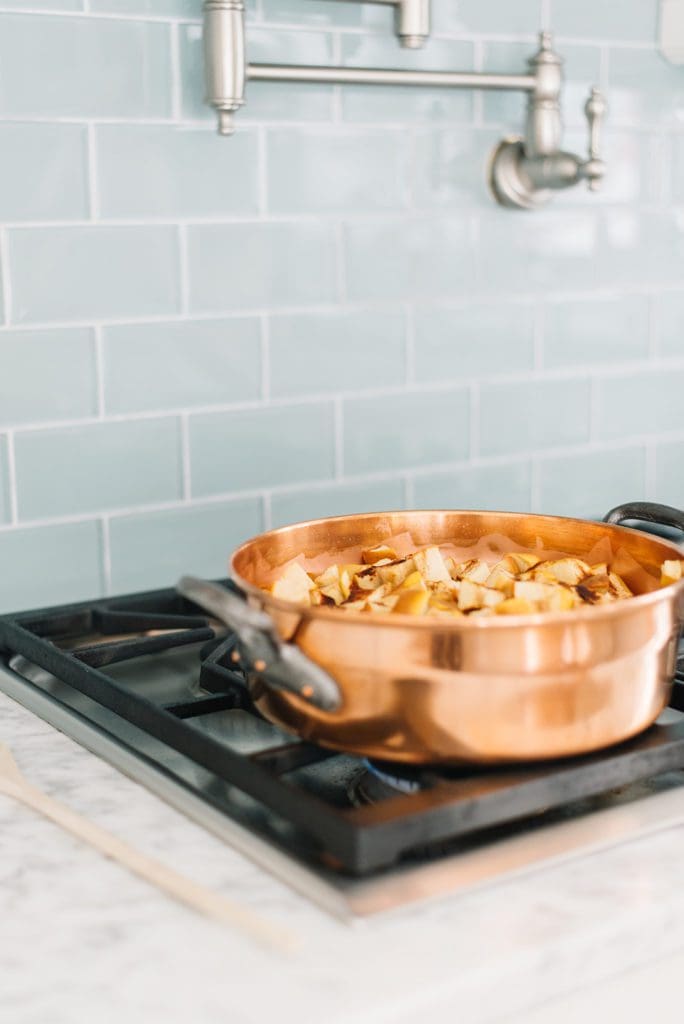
<point x="123" y="655"/>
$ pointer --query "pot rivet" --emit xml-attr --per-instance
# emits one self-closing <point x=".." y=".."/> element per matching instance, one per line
<point x="259" y="665"/>
<point x="307" y="691"/>
<point x="235" y="656"/>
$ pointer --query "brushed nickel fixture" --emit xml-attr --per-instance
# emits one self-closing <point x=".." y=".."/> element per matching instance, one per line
<point x="524" y="171"/>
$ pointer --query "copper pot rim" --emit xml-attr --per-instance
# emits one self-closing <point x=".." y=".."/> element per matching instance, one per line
<point x="430" y="623"/>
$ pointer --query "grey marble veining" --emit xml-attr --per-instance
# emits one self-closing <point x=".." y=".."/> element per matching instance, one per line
<point x="81" y="939"/>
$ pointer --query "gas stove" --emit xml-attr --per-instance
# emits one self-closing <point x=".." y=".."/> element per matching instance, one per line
<point x="151" y="684"/>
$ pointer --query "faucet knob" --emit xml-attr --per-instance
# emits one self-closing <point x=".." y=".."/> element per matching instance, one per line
<point x="594" y="168"/>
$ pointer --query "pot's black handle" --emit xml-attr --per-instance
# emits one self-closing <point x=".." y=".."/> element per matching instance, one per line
<point x="647" y="512"/>
<point x="283" y="666"/>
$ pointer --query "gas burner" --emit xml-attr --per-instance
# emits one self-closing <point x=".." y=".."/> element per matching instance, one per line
<point x="159" y="686"/>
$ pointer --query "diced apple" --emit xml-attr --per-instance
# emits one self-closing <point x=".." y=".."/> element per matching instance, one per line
<point x="412" y="602"/>
<point x="670" y="572"/>
<point x="533" y="591"/>
<point x="474" y="570"/>
<point x="515" y="606"/>
<point x="492" y="597"/>
<point x="501" y="579"/>
<point x="568" y="570"/>
<point x="413" y="580"/>
<point x="470" y="595"/>
<point x="618" y="585"/>
<point x="431" y="565"/>
<point x="372" y="556"/>
<point x="397" y="572"/>
<point x="294" y="585"/>
<point x="520" y="561"/>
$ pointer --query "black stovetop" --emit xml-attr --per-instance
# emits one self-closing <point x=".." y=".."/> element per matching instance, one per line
<point x="153" y="672"/>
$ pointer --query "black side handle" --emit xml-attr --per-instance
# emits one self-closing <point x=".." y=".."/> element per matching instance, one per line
<point x="646" y="512"/>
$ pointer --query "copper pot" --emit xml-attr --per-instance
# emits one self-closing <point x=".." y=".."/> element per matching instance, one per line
<point x="485" y="690"/>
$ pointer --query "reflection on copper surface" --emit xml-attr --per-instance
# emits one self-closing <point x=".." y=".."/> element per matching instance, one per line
<point x="483" y="690"/>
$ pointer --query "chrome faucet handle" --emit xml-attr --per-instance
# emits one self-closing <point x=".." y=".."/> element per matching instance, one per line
<point x="593" y="169"/>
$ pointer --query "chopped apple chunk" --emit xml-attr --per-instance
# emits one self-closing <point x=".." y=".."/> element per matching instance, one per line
<point x="294" y="585"/>
<point x="425" y="583"/>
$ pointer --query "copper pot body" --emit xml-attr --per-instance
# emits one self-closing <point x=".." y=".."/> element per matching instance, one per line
<point x="479" y="690"/>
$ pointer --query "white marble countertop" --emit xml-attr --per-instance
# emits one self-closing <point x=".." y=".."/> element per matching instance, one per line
<point x="597" y="938"/>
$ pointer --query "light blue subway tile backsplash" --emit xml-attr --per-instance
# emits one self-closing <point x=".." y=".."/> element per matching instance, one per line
<point x="265" y="101"/>
<point x="49" y="565"/>
<point x="670" y="473"/>
<point x="43" y="172"/>
<point x="629" y="20"/>
<point x="258" y="265"/>
<point x="670" y="324"/>
<point x="550" y="250"/>
<point x="179" y="8"/>
<point x="202" y="336"/>
<point x="323" y="13"/>
<point x="77" y="273"/>
<point x="4" y="482"/>
<point x="473" y="341"/>
<point x="496" y="16"/>
<point x="649" y="402"/>
<point x="337" y="500"/>
<point x="260" y="448"/>
<point x="160" y="171"/>
<point x="405" y="431"/>
<point x="644" y="88"/>
<point x="115" y="68"/>
<point x="525" y="416"/>
<point x="591" y="484"/>
<point x="390" y="259"/>
<point x="154" y="549"/>
<point x="47" y="375"/>
<point x="450" y="167"/>
<point x="45" y="5"/>
<point x="599" y="331"/>
<point x="98" y="466"/>
<point x="337" y="169"/>
<point x="189" y="363"/>
<point x="500" y="488"/>
<point x="315" y="352"/>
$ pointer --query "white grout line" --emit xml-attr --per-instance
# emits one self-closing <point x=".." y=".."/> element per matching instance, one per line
<point x="106" y="554"/>
<point x="91" y="163"/>
<point x="5" y="276"/>
<point x="186" y="470"/>
<point x="99" y="372"/>
<point x="456" y="387"/>
<point x="303" y="487"/>
<point x="12" y="479"/>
